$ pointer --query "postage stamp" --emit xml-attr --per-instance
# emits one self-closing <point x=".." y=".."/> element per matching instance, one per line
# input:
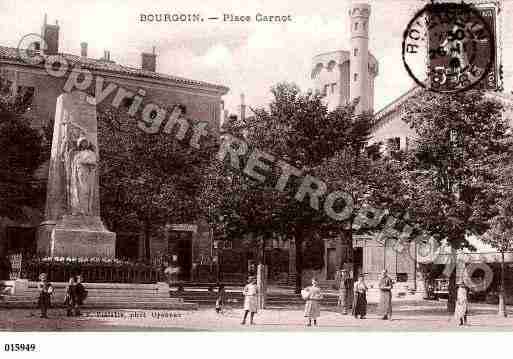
<point x="456" y="42"/>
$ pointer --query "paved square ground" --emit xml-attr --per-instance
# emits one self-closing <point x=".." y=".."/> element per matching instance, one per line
<point x="424" y="315"/>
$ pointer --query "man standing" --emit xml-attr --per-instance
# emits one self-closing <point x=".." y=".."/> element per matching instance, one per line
<point x="385" y="300"/>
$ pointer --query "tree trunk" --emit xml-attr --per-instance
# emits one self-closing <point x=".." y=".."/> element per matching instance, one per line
<point x="347" y="238"/>
<point x="451" y="302"/>
<point x="147" y="241"/>
<point x="299" y="235"/>
<point x="502" y="302"/>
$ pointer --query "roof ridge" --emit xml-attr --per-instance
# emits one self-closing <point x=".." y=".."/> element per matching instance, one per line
<point x="111" y="66"/>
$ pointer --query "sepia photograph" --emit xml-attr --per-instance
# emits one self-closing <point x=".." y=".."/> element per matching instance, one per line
<point x="270" y="166"/>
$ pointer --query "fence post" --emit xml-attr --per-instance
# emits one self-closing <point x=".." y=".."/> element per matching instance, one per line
<point x="261" y="285"/>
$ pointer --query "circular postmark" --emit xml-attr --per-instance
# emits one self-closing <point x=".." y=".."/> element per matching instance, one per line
<point x="28" y="49"/>
<point x="448" y="47"/>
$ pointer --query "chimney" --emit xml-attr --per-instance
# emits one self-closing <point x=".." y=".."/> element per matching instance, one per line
<point x="50" y="34"/>
<point x="149" y="61"/>
<point x="242" y="107"/>
<point x="83" y="49"/>
<point x="106" y="55"/>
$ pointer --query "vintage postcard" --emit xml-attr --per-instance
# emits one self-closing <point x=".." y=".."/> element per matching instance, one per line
<point x="263" y="166"/>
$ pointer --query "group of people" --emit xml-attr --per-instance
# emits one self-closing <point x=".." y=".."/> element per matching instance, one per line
<point x="75" y="296"/>
<point x="385" y="300"/>
<point x="250" y="292"/>
<point x="385" y="303"/>
<point x="313" y="296"/>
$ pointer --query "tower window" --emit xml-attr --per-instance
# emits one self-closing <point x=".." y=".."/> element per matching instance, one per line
<point x="355" y="52"/>
<point x="355" y="77"/>
<point x="326" y="87"/>
<point x="356" y="26"/>
<point x="333" y="87"/>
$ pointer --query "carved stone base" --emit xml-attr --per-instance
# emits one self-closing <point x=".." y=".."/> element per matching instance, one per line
<point x="76" y="236"/>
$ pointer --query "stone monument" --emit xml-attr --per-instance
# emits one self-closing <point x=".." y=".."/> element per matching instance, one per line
<point x="72" y="225"/>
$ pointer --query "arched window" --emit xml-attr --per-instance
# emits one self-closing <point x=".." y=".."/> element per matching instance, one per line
<point x="356" y="26"/>
<point x="355" y="52"/>
<point x="355" y="77"/>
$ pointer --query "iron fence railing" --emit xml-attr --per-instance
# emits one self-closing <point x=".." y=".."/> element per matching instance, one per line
<point x="92" y="272"/>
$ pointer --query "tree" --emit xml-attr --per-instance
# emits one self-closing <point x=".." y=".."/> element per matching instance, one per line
<point x="23" y="151"/>
<point x="148" y="179"/>
<point x="499" y="180"/>
<point x="500" y="236"/>
<point x="445" y="193"/>
<point x="298" y="130"/>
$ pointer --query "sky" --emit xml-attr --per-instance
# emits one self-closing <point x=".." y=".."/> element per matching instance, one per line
<point x="246" y="57"/>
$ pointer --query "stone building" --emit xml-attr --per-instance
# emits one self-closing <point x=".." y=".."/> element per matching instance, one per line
<point x="201" y="101"/>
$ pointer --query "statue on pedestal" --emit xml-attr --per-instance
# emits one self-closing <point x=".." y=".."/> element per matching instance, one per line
<point x="72" y="225"/>
<point x="80" y="162"/>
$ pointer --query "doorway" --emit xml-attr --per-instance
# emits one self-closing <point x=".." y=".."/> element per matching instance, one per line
<point x="358" y="261"/>
<point x="180" y="244"/>
<point x="331" y="263"/>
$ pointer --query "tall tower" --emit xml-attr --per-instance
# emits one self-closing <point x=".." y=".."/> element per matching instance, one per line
<point x="341" y="76"/>
<point x="359" y="84"/>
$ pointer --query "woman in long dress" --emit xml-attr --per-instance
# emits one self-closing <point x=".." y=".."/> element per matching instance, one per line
<point x="250" y="292"/>
<point x="360" y="298"/>
<point x="460" y="312"/>
<point x="313" y="296"/>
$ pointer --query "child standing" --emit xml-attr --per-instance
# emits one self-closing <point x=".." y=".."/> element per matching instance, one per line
<point x="220" y="298"/>
<point x="45" y="291"/>
<point x="70" y="300"/>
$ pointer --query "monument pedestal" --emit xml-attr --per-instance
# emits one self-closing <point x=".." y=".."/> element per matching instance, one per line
<point x="72" y="226"/>
<point x="76" y="236"/>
